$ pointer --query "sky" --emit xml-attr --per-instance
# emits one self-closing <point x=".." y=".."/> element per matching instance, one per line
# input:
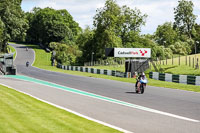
<point x="83" y="11"/>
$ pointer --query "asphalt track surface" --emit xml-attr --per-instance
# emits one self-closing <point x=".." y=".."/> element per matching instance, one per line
<point x="175" y="102"/>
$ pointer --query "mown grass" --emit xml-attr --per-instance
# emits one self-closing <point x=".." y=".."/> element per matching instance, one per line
<point x="180" y="70"/>
<point x="186" y="65"/>
<point x="22" y="113"/>
<point x="43" y="61"/>
<point x="12" y="50"/>
<point x="183" y="60"/>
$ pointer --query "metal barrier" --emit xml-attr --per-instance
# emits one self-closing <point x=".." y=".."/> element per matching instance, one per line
<point x="2" y="69"/>
<point x="95" y="71"/>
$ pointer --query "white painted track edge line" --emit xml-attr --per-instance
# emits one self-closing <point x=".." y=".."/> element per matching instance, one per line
<point x="71" y="111"/>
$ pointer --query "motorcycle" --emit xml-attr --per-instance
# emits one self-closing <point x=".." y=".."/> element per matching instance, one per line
<point x="143" y="83"/>
<point x="27" y="64"/>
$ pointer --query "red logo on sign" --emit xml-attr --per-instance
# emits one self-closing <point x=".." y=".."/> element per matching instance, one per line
<point x="143" y="53"/>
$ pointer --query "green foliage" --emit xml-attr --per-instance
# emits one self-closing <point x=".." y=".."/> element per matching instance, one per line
<point x="196" y="36"/>
<point x="50" y="25"/>
<point x="2" y="31"/>
<point x="182" y="48"/>
<point x="165" y="35"/>
<point x="65" y="54"/>
<point x="105" y="22"/>
<point x="131" y="21"/>
<point x="15" y="25"/>
<point x="184" y="17"/>
<point x="182" y="36"/>
<point x="168" y="53"/>
<point x="115" y="26"/>
<point x="85" y="42"/>
<point x="157" y="51"/>
<point x="13" y="18"/>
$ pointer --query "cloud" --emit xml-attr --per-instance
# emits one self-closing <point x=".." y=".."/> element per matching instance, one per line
<point x="83" y="11"/>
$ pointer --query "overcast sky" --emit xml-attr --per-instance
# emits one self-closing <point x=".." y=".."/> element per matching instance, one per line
<point x="83" y="11"/>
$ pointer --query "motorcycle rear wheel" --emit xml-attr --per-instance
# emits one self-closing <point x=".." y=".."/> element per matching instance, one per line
<point x="136" y="90"/>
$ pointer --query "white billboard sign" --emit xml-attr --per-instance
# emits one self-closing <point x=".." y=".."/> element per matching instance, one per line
<point x="132" y="52"/>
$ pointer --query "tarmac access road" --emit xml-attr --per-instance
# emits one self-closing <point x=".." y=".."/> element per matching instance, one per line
<point x="158" y="110"/>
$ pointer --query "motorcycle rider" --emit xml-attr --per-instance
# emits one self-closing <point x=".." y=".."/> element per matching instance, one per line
<point x="138" y="82"/>
<point x="27" y="64"/>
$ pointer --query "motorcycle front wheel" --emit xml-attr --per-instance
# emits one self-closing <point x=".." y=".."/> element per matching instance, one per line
<point x="142" y="89"/>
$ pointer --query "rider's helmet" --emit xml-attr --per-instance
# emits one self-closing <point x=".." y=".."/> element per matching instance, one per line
<point x="142" y="74"/>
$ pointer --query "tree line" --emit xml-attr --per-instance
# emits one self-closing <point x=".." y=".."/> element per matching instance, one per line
<point x="113" y="26"/>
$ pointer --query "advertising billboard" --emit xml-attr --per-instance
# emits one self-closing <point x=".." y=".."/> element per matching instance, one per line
<point x="132" y="52"/>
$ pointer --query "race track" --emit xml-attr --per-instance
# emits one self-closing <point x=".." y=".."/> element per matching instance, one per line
<point x="180" y="110"/>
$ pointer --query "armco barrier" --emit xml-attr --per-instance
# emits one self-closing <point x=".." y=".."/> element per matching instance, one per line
<point x="95" y="71"/>
<point x="184" y="79"/>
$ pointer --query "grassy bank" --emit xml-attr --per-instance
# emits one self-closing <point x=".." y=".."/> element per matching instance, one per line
<point x="22" y="113"/>
<point x="12" y="50"/>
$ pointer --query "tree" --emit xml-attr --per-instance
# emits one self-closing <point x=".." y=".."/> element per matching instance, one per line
<point x="116" y="26"/>
<point x="13" y="18"/>
<point x="106" y="22"/>
<point x="65" y="54"/>
<point x="196" y="36"/>
<point x="85" y="42"/>
<point x="165" y="35"/>
<point x="182" y="48"/>
<point x="130" y="22"/>
<point x="184" y="17"/>
<point x="15" y="24"/>
<point x="2" y="31"/>
<point x="49" y="25"/>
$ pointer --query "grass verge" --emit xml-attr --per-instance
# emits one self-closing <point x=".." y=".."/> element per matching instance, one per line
<point x="22" y="113"/>
<point x="12" y="50"/>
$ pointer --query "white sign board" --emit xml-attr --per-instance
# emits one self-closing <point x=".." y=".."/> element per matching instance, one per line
<point x="132" y="52"/>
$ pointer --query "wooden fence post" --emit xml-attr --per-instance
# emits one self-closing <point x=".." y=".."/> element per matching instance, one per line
<point x="197" y="64"/>
<point x="189" y="61"/>
<point x="186" y="60"/>
<point x="193" y="62"/>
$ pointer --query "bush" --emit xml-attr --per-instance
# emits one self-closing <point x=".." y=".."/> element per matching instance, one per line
<point x="182" y="48"/>
<point x="65" y="54"/>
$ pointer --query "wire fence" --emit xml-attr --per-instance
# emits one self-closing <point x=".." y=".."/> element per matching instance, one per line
<point x="192" y="61"/>
<point x="189" y="60"/>
<point x="105" y="63"/>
